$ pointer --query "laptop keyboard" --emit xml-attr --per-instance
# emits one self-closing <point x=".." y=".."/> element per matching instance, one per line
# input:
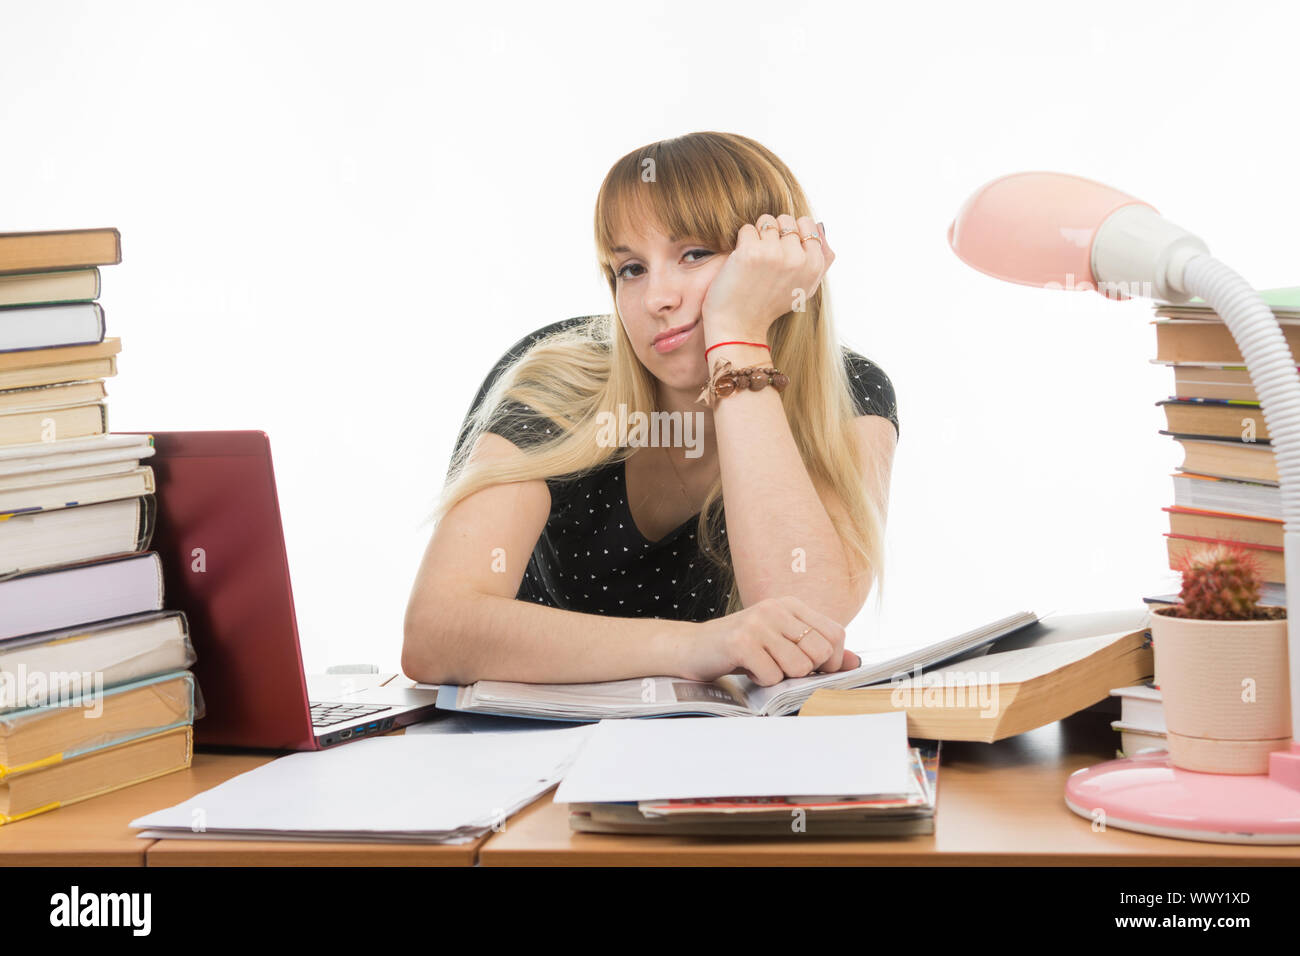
<point x="326" y="715"/>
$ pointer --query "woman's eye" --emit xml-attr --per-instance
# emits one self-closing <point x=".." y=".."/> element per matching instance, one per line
<point x="622" y="273"/>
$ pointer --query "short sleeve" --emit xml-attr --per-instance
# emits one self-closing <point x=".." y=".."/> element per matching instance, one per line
<point x="873" y="392"/>
<point x="522" y="425"/>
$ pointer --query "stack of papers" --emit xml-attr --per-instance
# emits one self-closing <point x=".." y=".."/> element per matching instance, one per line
<point x="426" y="788"/>
<point x="842" y="775"/>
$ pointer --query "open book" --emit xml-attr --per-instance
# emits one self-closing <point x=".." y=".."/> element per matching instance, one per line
<point x="730" y="696"/>
<point x="1003" y="694"/>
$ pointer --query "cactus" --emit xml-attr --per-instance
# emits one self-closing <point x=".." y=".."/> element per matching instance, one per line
<point x="1220" y="583"/>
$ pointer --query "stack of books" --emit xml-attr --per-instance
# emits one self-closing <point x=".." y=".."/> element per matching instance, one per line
<point x="1141" y="723"/>
<point x="1227" y="487"/>
<point x="53" y="353"/>
<point x="95" y="691"/>
<point x="854" y="775"/>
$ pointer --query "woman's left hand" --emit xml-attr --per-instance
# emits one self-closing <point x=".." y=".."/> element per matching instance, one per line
<point x="765" y="276"/>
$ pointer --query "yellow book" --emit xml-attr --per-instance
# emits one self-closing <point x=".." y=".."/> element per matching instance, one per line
<point x="103" y="771"/>
<point x="60" y="395"/>
<point x="79" y="421"/>
<point x="59" y="249"/>
<point x="62" y="355"/>
<point x="1000" y="695"/>
<point x="82" y="371"/>
<point x="77" y="717"/>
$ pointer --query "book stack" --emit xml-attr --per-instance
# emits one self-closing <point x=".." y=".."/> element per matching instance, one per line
<point x="1141" y="723"/>
<point x="816" y="776"/>
<point x="1226" y="489"/>
<point x="95" y="691"/>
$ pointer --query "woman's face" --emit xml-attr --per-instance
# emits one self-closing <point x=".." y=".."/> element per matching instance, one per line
<point x="661" y="284"/>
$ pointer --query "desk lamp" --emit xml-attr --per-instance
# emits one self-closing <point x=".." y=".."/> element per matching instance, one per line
<point x="1057" y="231"/>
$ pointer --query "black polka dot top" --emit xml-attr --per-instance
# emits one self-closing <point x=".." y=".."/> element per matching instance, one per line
<point x="591" y="557"/>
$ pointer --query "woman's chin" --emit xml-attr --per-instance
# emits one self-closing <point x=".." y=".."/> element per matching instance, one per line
<point x="683" y="376"/>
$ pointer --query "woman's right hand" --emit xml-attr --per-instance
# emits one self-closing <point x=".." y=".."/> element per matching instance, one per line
<point x="763" y="641"/>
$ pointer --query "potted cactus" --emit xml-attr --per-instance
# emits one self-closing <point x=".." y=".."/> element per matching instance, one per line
<point x="1221" y="666"/>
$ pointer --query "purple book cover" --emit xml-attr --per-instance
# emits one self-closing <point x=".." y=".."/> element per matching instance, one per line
<point x="75" y="594"/>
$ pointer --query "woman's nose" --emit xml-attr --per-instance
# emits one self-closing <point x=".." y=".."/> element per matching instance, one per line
<point x="662" y="292"/>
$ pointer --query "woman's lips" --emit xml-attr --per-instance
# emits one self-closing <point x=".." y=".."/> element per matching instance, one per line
<point x="670" y="342"/>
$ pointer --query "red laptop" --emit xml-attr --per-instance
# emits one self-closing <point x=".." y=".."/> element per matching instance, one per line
<point x="219" y="535"/>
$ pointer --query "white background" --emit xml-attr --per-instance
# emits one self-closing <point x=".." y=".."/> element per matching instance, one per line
<point x="336" y="217"/>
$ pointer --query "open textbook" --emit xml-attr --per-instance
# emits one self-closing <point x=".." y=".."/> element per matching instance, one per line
<point x="730" y="696"/>
<point x="1005" y="693"/>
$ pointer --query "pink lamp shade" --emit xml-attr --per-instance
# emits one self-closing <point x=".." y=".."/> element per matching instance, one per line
<point x="1036" y="228"/>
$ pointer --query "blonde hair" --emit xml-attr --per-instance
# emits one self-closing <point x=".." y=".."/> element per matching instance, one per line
<point x="705" y="185"/>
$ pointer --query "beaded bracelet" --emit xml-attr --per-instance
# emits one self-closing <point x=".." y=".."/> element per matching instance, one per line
<point x="727" y="380"/>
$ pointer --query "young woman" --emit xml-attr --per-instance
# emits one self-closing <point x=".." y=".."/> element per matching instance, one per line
<point x="571" y="547"/>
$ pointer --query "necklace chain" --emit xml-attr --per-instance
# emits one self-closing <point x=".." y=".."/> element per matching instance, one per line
<point x="676" y="473"/>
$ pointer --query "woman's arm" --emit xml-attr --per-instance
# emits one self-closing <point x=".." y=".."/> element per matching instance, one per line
<point x="464" y="624"/>
<point x="780" y="531"/>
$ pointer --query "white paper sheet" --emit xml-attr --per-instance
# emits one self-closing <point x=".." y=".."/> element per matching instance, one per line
<point x="684" y="757"/>
<point x="406" y="784"/>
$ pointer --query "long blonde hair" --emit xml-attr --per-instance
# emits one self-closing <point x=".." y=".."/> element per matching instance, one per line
<point x="705" y="185"/>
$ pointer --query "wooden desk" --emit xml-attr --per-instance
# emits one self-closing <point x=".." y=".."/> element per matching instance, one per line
<point x="94" y="832"/>
<point x="999" y="804"/>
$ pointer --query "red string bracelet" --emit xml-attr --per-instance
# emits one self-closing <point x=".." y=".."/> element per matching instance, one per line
<point x="720" y="344"/>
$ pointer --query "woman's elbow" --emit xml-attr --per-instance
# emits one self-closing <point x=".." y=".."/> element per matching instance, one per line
<point x="424" y="656"/>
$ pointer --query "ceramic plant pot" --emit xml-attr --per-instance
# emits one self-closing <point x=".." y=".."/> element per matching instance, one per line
<point x="1225" y="690"/>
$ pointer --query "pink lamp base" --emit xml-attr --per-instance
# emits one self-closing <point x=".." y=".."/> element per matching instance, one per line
<point x="1147" y="794"/>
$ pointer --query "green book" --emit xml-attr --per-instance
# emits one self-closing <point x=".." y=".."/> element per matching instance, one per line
<point x="1279" y="300"/>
